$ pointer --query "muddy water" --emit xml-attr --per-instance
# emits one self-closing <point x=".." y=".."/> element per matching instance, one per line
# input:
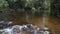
<point x="53" y="23"/>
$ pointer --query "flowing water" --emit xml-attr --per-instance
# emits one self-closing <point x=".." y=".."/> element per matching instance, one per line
<point x="39" y="21"/>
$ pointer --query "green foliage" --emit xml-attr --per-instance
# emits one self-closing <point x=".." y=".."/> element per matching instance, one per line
<point x="3" y="4"/>
<point x="47" y="3"/>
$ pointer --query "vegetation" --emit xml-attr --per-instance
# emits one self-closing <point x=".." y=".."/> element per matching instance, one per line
<point x="35" y="7"/>
<point x="3" y="4"/>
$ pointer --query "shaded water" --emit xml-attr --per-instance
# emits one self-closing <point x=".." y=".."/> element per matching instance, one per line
<point x="53" y="22"/>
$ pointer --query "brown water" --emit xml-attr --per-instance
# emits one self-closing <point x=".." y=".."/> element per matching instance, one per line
<point x="53" y="23"/>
